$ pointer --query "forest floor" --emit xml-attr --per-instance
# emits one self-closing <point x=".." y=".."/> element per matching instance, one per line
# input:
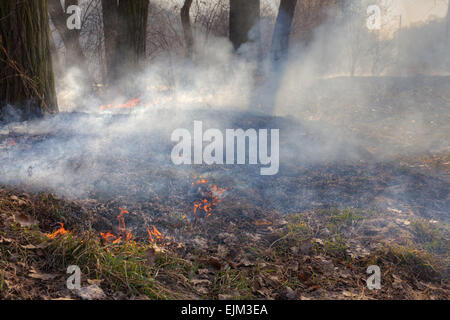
<point x="240" y="251"/>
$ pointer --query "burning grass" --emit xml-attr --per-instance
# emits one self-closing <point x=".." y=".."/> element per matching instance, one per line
<point x="129" y="268"/>
<point x="123" y="268"/>
<point x="275" y="258"/>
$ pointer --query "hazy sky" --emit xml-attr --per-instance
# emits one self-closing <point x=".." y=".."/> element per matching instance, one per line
<point x="413" y="11"/>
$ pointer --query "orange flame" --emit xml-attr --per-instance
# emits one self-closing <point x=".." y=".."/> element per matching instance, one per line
<point x="127" y="236"/>
<point x="117" y="240"/>
<point x="199" y="181"/>
<point x="154" y="234"/>
<point x="205" y="205"/>
<point x="127" y="105"/>
<point x="121" y="219"/>
<point x="122" y="226"/>
<point x="107" y="236"/>
<point x="60" y="231"/>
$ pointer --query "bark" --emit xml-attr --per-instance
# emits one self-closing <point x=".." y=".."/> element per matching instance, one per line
<point x="71" y="38"/>
<point x="26" y="71"/>
<point x="265" y="96"/>
<point x="282" y="32"/>
<point x="187" y="28"/>
<point x="244" y="18"/>
<point x="448" y="23"/>
<point x="125" y="28"/>
<point x="110" y="20"/>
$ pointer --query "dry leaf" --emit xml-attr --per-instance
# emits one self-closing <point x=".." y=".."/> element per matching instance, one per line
<point x="262" y="222"/>
<point x="95" y="281"/>
<point x="197" y="282"/>
<point x="92" y="292"/>
<point x="212" y="261"/>
<point x="24" y="220"/>
<point x="33" y="247"/>
<point x="42" y="276"/>
<point x="6" y="240"/>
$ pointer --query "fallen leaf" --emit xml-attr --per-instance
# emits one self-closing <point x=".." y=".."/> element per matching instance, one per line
<point x="24" y="220"/>
<point x="33" y="247"/>
<point x="245" y="262"/>
<point x="42" y="276"/>
<point x="262" y="222"/>
<point x="6" y="240"/>
<point x="95" y="281"/>
<point x="313" y="288"/>
<point x="92" y="292"/>
<point x="198" y="282"/>
<point x="212" y="261"/>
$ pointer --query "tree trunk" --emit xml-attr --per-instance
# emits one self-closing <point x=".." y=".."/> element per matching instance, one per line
<point x="448" y="23"/>
<point x="26" y="70"/>
<point x="244" y="22"/>
<point x="125" y="28"/>
<point x="265" y="96"/>
<point x="71" y="38"/>
<point x="187" y="28"/>
<point x="110" y="20"/>
<point x="282" y="32"/>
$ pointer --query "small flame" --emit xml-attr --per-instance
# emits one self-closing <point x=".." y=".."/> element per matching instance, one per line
<point x="121" y="219"/>
<point x="154" y="234"/>
<point x="199" y="181"/>
<point x="127" y="236"/>
<point x="107" y="236"/>
<point x="127" y="105"/>
<point x="117" y="240"/>
<point x="207" y="204"/>
<point x="60" y="231"/>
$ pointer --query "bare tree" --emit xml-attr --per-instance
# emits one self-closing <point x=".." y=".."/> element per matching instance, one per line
<point x="448" y="23"/>
<point x="125" y="28"/>
<point x="71" y="37"/>
<point x="187" y="28"/>
<point x="26" y="70"/>
<point x="282" y="32"/>
<point x="244" y="18"/>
